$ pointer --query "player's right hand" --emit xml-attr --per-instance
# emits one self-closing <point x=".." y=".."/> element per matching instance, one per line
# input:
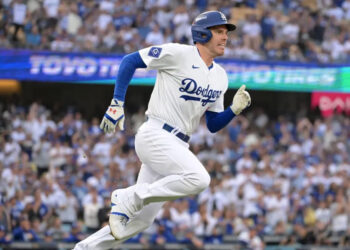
<point x="241" y="100"/>
<point x="114" y="116"/>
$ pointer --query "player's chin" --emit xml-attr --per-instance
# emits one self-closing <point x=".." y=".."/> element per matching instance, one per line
<point x="220" y="52"/>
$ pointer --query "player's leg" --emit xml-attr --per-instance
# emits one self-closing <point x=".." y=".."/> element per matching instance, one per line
<point x="100" y="240"/>
<point x="149" y="212"/>
<point x="170" y="157"/>
<point x="167" y="156"/>
<point x="145" y="216"/>
<point x="103" y="239"/>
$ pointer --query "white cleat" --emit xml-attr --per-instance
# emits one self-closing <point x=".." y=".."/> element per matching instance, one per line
<point x="120" y="215"/>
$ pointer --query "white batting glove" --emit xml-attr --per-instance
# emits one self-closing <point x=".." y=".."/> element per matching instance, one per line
<point x="241" y="100"/>
<point x="114" y="116"/>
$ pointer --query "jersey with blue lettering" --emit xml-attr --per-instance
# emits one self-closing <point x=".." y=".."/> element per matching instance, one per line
<point x="185" y="87"/>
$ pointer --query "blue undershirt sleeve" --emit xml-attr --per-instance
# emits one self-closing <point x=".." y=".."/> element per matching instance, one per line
<point x="216" y="121"/>
<point x="126" y="71"/>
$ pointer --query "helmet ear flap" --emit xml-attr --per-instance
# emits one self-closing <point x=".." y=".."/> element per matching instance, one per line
<point x="201" y="35"/>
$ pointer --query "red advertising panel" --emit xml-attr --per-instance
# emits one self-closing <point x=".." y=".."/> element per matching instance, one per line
<point x="329" y="102"/>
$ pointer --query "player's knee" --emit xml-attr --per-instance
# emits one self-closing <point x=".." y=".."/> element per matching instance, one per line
<point x="201" y="181"/>
<point x="205" y="180"/>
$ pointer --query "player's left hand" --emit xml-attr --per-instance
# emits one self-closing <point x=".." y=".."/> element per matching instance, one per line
<point x="114" y="116"/>
<point x="241" y="100"/>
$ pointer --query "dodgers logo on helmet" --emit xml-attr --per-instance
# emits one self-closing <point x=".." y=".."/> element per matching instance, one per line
<point x="198" y="18"/>
<point x="200" y="27"/>
<point x="223" y="16"/>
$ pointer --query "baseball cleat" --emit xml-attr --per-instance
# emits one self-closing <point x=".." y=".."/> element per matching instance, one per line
<point x="119" y="216"/>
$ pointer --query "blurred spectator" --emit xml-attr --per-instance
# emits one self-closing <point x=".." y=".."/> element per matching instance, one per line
<point x="75" y="234"/>
<point x="67" y="207"/>
<point x="12" y="152"/>
<point x="48" y="237"/>
<point x="276" y="206"/>
<point x="103" y="20"/>
<point x="4" y="237"/>
<point x="192" y="241"/>
<point x="180" y="215"/>
<point x="91" y="208"/>
<point x="103" y="212"/>
<point x="55" y="228"/>
<point x="37" y="209"/>
<point x="19" y="15"/>
<point x="40" y="156"/>
<point x="5" y="220"/>
<point x="33" y="37"/>
<point x="181" y="21"/>
<point x="51" y="10"/>
<point x="251" y="240"/>
<point x="252" y="33"/>
<point x="155" y="36"/>
<point x="71" y="21"/>
<point x="24" y="232"/>
<point x="323" y="214"/>
<point x="340" y="221"/>
<point x="62" y="43"/>
<point x="203" y="223"/>
<point x="161" y="237"/>
<point x="267" y="23"/>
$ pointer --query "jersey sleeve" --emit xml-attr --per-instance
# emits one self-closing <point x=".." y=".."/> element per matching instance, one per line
<point x="161" y="57"/>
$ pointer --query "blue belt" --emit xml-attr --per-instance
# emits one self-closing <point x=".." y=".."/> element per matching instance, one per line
<point x="180" y="135"/>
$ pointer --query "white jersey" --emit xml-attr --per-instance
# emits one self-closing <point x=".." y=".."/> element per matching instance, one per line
<point x="185" y="87"/>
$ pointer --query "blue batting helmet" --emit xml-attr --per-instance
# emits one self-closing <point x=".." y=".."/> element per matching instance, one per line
<point x="202" y="23"/>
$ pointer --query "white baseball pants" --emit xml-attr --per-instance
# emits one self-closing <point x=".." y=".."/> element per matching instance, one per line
<point x="169" y="171"/>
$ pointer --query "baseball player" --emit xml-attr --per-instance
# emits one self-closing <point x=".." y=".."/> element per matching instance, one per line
<point x="189" y="84"/>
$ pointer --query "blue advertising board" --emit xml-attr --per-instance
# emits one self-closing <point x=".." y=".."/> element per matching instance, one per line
<point x="95" y="68"/>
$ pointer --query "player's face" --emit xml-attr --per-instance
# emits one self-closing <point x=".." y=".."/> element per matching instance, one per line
<point x="217" y="43"/>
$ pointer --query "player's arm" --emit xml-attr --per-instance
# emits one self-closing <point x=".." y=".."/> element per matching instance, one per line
<point x="218" y="120"/>
<point x="115" y="113"/>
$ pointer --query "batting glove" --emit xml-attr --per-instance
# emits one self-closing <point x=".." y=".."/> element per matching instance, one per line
<point x="114" y="116"/>
<point x="241" y="100"/>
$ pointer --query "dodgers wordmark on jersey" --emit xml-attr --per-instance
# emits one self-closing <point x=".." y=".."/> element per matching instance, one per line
<point x="185" y="87"/>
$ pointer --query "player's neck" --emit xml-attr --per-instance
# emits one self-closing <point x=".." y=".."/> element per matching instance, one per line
<point x="205" y="54"/>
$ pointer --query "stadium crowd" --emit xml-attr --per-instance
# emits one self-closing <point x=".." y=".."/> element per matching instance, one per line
<point x="310" y="31"/>
<point x="285" y="177"/>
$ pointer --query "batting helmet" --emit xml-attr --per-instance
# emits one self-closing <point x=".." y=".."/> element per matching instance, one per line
<point x="202" y="23"/>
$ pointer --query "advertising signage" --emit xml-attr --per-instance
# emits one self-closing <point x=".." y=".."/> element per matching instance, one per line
<point x="93" y="68"/>
<point x="328" y="103"/>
